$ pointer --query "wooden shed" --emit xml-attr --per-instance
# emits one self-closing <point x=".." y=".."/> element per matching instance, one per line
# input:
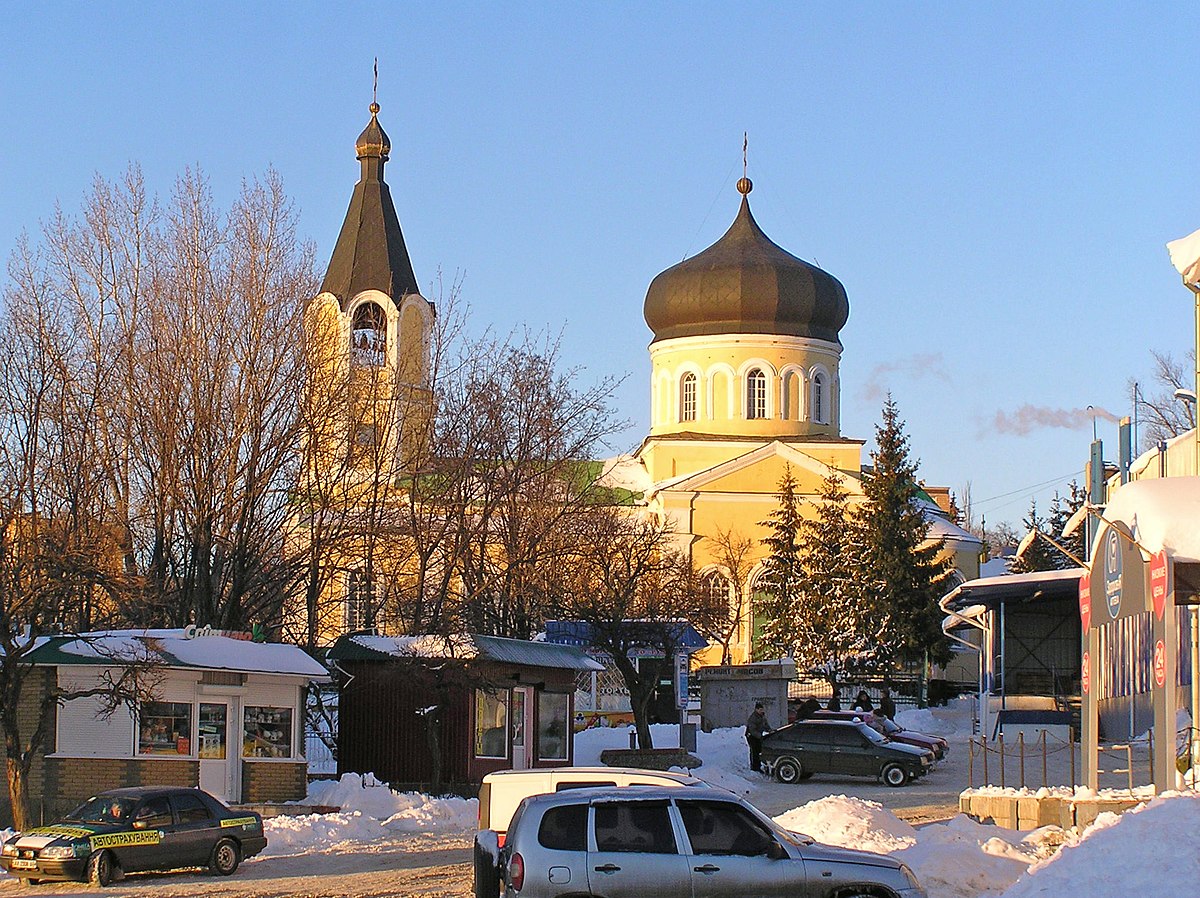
<point x="475" y="703"/>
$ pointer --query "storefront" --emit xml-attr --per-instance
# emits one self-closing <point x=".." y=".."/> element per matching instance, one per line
<point x="1138" y="609"/>
<point x="483" y="703"/>
<point x="227" y="715"/>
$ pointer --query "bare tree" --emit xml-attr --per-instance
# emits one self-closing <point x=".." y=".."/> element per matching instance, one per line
<point x="1162" y="415"/>
<point x="635" y="593"/>
<point x="734" y="554"/>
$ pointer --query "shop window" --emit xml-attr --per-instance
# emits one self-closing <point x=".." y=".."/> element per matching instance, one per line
<point x="268" y="733"/>
<point x="491" y="725"/>
<point x="165" y="728"/>
<point x="552" y="726"/>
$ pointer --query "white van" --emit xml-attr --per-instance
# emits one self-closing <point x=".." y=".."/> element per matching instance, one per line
<point x="503" y="790"/>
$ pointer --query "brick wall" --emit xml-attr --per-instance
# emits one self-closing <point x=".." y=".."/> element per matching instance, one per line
<point x="266" y="781"/>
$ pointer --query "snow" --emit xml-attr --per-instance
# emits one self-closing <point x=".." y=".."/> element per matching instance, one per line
<point x="1185" y="256"/>
<point x="953" y="722"/>
<point x="202" y="650"/>
<point x="625" y="472"/>
<point x="852" y="822"/>
<point x="427" y="646"/>
<point x="1161" y="514"/>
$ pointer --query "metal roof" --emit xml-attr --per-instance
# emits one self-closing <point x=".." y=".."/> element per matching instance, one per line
<point x="1015" y="588"/>
<point x="359" y="647"/>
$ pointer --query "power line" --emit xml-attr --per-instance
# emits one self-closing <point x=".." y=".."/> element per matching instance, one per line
<point x="1028" y="489"/>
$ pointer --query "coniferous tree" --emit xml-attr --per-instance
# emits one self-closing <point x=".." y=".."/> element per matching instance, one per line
<point x="1037" y="553"/>
<point x="1062" y="509"/>
<point x="782" y="571"/>
<point x="910" y="576"/>
<point x="831" y="630"/>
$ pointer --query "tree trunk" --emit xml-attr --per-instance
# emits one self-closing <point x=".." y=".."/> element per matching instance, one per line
<point x="18" y="792"/>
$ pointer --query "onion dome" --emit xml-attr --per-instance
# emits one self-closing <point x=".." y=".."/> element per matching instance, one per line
<point x="746" y="284"/>
<point x="374" y="140"/>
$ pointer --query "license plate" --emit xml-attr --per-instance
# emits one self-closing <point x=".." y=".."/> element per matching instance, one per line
<point x="21" y="863"/>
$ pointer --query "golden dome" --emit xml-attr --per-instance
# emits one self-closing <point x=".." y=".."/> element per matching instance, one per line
<point x="374" y="140"/>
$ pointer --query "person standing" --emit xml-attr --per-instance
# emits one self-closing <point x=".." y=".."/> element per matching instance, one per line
<point x="887" y="707"/>
<point x="756" y="728"/>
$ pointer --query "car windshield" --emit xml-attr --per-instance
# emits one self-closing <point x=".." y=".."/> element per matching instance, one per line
<point x="103" y="809"/>
<point x="874" y="735"/>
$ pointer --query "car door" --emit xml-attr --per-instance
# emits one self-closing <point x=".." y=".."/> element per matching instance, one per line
<point x="152" y="842"/>
<point x="197" y="829"/>
<point x="633" y="851"/>
<point x="850" y="753"/>
<point x="734" y="854"/>
<point x="813" y="747"/>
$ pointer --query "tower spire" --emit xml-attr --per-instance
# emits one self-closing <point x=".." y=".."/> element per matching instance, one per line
<point x="745" y="185"/>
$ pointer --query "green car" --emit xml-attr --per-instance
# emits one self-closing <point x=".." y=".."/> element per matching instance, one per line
<point x="128" y="830"/>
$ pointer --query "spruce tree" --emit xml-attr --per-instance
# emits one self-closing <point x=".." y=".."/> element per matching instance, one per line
<point x="903" y="561"/>
<point x="828" y="614"/>
<point x="1038" y="554"/>
<point x="1061" y="511"/>
<point x="782" y="572"/>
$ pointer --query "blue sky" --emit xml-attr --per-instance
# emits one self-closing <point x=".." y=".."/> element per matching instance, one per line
<point x="993" y="186"/>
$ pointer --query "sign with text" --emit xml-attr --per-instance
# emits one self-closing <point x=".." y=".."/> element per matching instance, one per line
<point x="1158" y="583"/>
<point x="1118" y="577"/>
<point x="1085" y="602"/>
<point x="1085" y="675"/>
<point x="1160" y="664"/>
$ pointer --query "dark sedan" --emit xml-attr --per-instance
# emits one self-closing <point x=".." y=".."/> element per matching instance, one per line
<point x="128" y="830"/>
<point x="843" y="747"/>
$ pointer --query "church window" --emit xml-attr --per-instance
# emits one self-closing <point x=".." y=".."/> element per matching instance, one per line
<point x="756" y="394"/>
<point x="368" y="335"/>
<point x="360" y="601"/>
<point x="687" y="397"/>
<point x="820" y="399"/>
<point x="714" y="592"/>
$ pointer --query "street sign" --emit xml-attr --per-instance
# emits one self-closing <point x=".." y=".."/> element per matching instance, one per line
<point x="1160" y="664"/>
<point x="1158" y="582"/>
<point x="681" y="680"/>
<point x="1085" y="601"/>
<point x="1085" y="676"/>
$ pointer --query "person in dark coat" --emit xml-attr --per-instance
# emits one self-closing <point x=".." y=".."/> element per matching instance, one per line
<point x="808" y="708"/>
<point x="835" y="702"/>
<point x="756" y="728"/>
<point x="862" y="702"/>
<point x="887" y="707"/>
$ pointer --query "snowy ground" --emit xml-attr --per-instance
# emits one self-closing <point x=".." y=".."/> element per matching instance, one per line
<point x="408" y="845"/>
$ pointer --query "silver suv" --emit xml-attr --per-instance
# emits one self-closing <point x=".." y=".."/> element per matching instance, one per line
<point x="679" y="843"/>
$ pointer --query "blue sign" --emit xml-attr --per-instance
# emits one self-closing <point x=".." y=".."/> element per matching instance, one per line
<point x="1112" y="572"/>
<point x="681" y="680"/>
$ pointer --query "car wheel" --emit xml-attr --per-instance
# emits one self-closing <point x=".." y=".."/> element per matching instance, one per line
<point x="225" y="858"/>
<point x="100" y="868"/>
<point x="788" y="770"/>
<point x="894" y="775"/>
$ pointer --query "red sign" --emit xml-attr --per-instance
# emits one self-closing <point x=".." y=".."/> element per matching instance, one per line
<point x="1160" y="664"/>
<point x="1085" y="677"/>
<point x="1085" y="601"/>
<point x="1158" y="583"/>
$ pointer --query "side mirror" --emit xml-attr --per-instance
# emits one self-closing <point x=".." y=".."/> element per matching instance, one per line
<point x="776" y="852"/>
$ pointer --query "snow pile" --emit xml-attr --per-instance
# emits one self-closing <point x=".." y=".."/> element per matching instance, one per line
<point x="370" y="811"/>
<point x="724" y="751"/>
<point x="952" y="860"/>
<point x="1149" y="851"/>
<point x="852" y="822"/>
<point x="952" y="721"/>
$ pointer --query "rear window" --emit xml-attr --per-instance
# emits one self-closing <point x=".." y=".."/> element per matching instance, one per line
<point x="584" y="784"/>
<point x="564" y="828"/>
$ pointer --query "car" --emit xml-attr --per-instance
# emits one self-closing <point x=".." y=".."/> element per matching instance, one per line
<point x="141" y="828"/>
<point x="679" y="843"/>
<point x="502" y="792"/>
<point x="847" y="747"/>
<point x="936" y="744"/>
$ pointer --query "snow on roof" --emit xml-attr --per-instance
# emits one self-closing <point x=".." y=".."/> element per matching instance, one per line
<point x="1162" y="514"/>
<point x="941" y="527"/>
<point x="180" y="648"/>
<point x="625" y="472"/>
<point x="424" y="646"/>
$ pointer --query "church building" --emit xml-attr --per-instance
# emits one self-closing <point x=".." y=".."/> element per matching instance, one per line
<point x="745" y="383"/>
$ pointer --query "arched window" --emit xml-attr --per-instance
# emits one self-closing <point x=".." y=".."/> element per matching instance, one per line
<point x="687" y="397"/>
<point x="756" y="394"/>
<point x="368" y="335"/>
<point x="360" y="601"/>
<point x="820" y="399"/>
<point x="714" y="591"/>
